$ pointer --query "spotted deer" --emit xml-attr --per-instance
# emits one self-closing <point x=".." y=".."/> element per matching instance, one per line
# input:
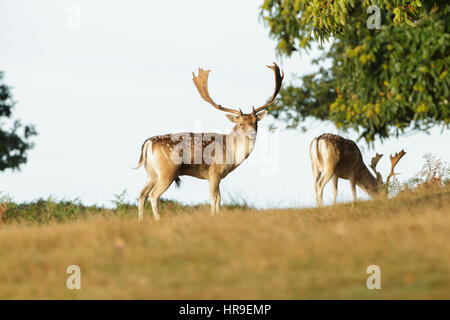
<point x="209" y="156"/>
<point x="333" y="157"/>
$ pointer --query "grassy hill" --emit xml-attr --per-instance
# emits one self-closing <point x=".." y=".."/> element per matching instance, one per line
<point x="241" y="253"/>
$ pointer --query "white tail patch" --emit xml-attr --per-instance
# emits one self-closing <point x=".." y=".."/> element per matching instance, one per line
<point x="148" y="152"/>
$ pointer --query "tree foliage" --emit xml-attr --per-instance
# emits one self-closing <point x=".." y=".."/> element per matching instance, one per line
<point x="14" y="138"/>
<point x="379" y="81"/>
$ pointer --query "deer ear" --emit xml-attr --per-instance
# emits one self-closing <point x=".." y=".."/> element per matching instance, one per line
<point x="261" y="115"/>
<point x="232" y="118"/>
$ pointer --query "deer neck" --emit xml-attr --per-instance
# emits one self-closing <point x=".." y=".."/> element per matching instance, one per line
<point x="367" y="182"/>
<point x="242" y="145"/>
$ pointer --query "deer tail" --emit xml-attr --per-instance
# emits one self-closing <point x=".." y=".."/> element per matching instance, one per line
<point x="143" y="157"/>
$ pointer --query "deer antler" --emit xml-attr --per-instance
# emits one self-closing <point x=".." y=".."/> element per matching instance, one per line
<point x="278" y="81"/>
<point x="374" y="162"/>
<point x="201" y="82"/>
<point x="394" y="160"/>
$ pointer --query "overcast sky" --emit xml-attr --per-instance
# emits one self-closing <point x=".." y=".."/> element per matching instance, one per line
<point x="98" y="84"/>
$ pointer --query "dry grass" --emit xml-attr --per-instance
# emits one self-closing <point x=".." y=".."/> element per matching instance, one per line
<point x="274" y="254"/>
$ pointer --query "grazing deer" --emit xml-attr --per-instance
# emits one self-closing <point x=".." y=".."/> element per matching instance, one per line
<point x="334" y="157"/>
<point x="209" y="156"/>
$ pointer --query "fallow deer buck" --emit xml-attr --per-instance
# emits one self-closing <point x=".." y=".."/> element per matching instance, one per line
<point x="333" y="157"/>
<point x="209" y="156"/>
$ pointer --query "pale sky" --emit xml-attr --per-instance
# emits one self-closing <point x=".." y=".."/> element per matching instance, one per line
<point x="96" y="87"/>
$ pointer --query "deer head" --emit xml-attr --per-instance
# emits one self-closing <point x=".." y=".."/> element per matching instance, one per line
<point x="394" y="161"/>
<point x="245" y="123"/>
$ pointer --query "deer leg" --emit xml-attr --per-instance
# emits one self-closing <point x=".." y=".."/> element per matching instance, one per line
<point x="335" y="180"/>
<point x="316" y="184"/>
<point x="161" y="186"/>
<point x="218" y="200"/>
<point x="143" y="195"/>
<point x="353" y="186"/>
<point x="214" y="192"/>
<point x="316" y="174"/>
<point x="323" y="180"/>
